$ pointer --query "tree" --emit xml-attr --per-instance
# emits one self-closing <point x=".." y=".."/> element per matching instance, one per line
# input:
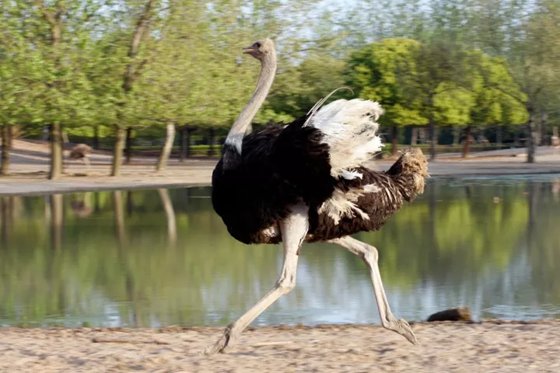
<point x="299" y="86"/>
<point x="46" y="45"/>
<point x="378" y="72"/>
<point x="187" y="60"/>
<point x="536" y="65"/>
<point x="493" y="88"/>
<point x="132" y="70"/>
<point x="526" y="34"/>
<point x="442" y="83"/>
<point x="17" y="81"/>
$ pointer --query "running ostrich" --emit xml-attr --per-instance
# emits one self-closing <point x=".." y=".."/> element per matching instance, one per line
<point x="81" y="151"/>
<point x="307" y="182"/>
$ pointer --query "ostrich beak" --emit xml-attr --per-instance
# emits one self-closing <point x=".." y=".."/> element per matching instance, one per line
<point x="249" y="50"/>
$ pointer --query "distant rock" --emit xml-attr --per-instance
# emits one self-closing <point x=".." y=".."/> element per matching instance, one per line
<point x="452" y="314"/>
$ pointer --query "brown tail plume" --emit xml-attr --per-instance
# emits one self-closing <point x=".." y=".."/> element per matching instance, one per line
<point x="410" y="172"/>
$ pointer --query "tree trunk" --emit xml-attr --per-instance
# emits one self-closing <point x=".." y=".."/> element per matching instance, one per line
<point x="395" y="140"/>
<point x="55" y="18"/>
<point x="132" y="69"/>
<point x="211" y="136"/>
<point x="96" y="137"/>
<point x="118" y="151"/>
<point x="531" y="136"/>
<point x="167" y="146"/>
<point x="188" y="133"/>
<point x="554" y="140"/>
<point x="130" y="74"/>
<point x="499" y="136"/>
<point x="56" y="151"/>
<point x="128" y="145"/>
<point x="414" y="136"/>
<point x="185" y="143"/>
<point x="182" y="135"/>
<point x="6" y="148"/>
<point x="467" y="141"/>
<point x="542" y="132"/>
<point x="433" y="139"/>
<point x="456" y="135"/>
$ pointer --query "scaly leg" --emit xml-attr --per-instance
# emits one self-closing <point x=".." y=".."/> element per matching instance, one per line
<point x="369" y="254"/>
<point x="293" y="229"/>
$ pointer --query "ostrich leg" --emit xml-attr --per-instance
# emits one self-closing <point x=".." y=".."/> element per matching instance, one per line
<point x="87" y="162"/>
<point x="369" y="254"/>
<point x="293" y="229"/>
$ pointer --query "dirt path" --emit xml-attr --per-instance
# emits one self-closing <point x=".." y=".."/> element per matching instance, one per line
<point x="30" y="166"/>
<point x="444" y="347"/>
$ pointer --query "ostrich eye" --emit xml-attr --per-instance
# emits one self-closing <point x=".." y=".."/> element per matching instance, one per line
<point x="257" y="45"/>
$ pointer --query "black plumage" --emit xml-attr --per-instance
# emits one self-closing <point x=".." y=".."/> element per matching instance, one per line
<point x="278" y="167"/>
<point x="281" y="166"/>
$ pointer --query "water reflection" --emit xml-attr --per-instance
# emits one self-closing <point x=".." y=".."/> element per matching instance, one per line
<point x="162" y="257"/>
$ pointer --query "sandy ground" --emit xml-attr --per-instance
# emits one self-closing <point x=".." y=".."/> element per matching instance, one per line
<point x="444" y="347"/>
<point x="492" y="346"/>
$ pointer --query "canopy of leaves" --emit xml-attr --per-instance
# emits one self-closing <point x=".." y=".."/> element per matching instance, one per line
<point x="380" y="72"/>
<point x="458" y="62"/>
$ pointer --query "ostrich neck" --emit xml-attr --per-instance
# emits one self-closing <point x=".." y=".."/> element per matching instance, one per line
<point x="266" y="77"/>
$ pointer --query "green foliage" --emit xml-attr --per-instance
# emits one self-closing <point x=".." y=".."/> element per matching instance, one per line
<point x="415" y="81"/>
<point x="460" y="62"/>
<point x="380" y="71"/>
<point x="452" y="104"/>
<point x="299" y="87"/>
<point x="495" y="92"/>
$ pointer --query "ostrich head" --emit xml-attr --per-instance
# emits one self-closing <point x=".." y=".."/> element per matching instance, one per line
<point x="261" y="49"/>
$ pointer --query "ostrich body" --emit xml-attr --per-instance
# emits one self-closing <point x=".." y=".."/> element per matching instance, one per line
<point x="81" y="151"/>
<point x="306" y="182"/>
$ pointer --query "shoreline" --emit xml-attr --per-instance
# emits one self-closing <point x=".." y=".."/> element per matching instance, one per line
<point x="28" y="180"/>
<point x="30" y="164"/>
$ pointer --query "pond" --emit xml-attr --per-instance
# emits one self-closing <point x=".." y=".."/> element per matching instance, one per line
<point x="163" y="257"/>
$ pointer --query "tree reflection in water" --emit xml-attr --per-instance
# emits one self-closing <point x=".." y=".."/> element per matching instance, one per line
<point x="162" y="257"/>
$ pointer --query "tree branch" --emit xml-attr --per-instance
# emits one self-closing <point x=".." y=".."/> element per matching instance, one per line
<point x="141" y="29"/>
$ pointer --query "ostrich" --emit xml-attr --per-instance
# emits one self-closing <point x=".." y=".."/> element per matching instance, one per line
<point x="307" y="182"/>
<point x="81" y="151"/>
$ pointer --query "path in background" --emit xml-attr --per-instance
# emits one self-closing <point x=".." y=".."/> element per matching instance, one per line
<point x="29" y="169"/>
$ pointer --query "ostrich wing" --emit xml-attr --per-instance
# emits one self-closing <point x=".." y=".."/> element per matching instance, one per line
<point x="350" y="130"/>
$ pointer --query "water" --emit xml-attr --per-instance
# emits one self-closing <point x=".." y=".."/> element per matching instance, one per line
<point x="162" y="257"/>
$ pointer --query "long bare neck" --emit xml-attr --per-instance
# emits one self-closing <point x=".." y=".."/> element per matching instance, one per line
<point x="266" y="77"/>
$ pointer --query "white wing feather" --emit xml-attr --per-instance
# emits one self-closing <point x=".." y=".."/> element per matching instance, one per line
<point x="350" y="129"/>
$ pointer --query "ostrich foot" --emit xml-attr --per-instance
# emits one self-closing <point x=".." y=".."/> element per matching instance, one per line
<point x="221" y="344"/>
<point x="402" y="327"/>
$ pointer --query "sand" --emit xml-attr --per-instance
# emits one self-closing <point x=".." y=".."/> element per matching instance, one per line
<point x="494" y="346"/>
<point x="491" y="346"/>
